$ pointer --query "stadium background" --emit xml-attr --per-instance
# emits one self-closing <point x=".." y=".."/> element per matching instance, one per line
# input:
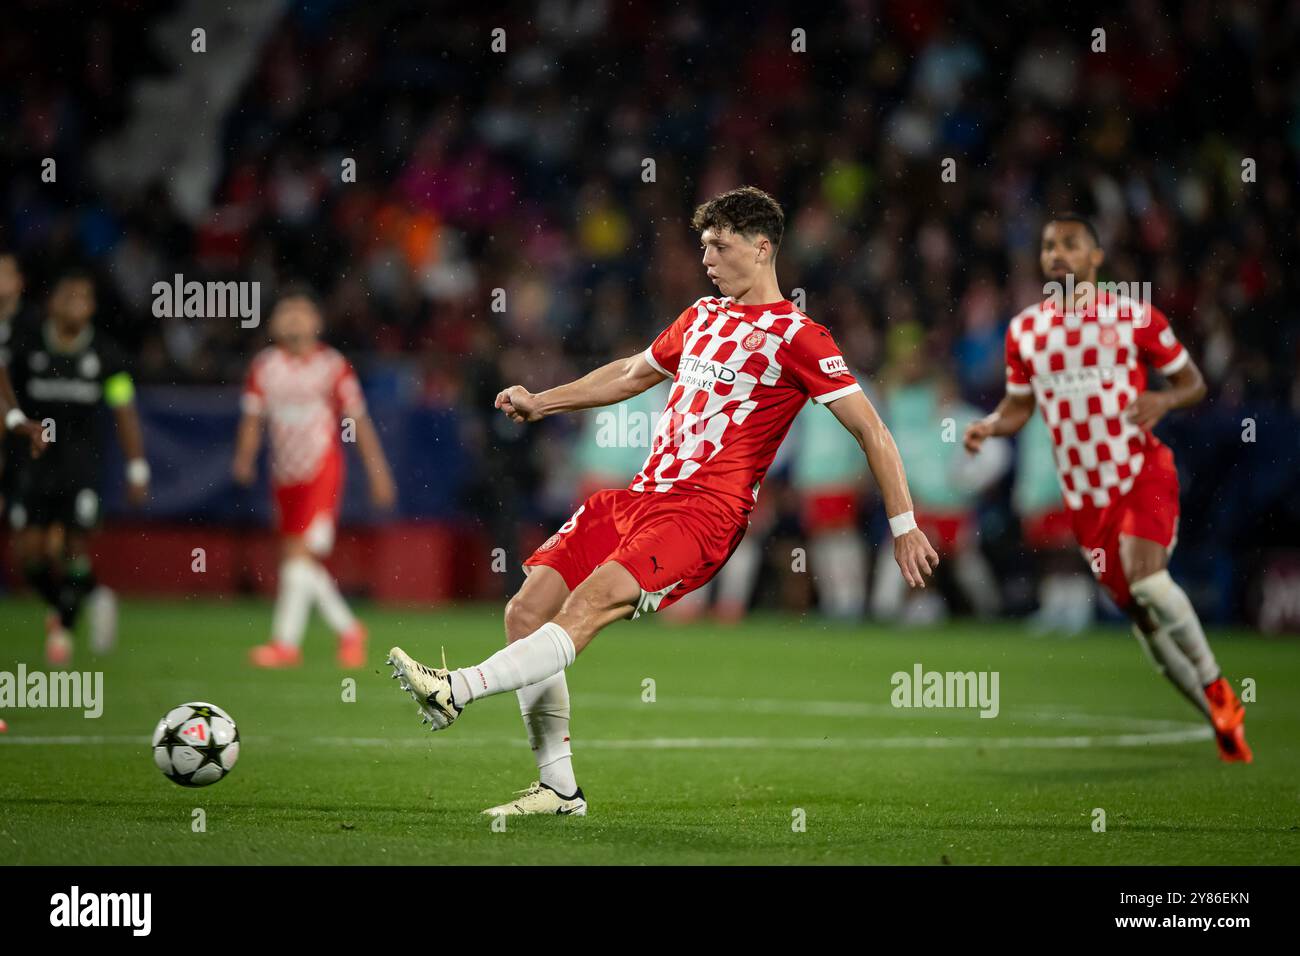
<point x="523" y="171"/>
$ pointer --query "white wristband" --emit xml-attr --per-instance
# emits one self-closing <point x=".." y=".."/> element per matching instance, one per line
<point x="137" y="471"/>
<point x="901" y="524"/>
<point x="13" y="418"/>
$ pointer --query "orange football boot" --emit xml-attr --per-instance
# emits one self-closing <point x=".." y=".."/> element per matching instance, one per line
<point x="352" y="647"/>
<point x="274" y="655"/>
<point x="1229" y="719"/>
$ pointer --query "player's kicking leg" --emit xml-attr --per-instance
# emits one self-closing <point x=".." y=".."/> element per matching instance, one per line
<point x="544" y="707"/>
<point x="1166" y="625"/>
<point x="609" y="594"/>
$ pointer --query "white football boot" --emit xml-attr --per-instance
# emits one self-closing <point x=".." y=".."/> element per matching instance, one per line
<point x="428" y="685"/>
<point x="539" y="798"/>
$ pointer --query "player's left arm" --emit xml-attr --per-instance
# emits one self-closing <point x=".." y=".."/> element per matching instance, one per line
<point x="119" y="395"/>
<point x="1159" y="347"/>
<point x="816" y="364"/>
<point x="383" y="492"/>
<point x="912" y="550"/>
<point x="352" y="403"/>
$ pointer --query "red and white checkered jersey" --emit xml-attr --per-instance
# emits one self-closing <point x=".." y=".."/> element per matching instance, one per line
<point x="304" y="398"/>
<point x="741" y="373"/>
<point x="1085" y="369"/>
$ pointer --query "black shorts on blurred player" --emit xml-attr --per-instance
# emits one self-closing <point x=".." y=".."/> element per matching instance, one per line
<point x="48" y="493"/>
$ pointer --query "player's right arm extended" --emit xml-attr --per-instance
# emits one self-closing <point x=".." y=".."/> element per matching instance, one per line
<point x="1011" y="415"/>
<point x="607" y="385"/>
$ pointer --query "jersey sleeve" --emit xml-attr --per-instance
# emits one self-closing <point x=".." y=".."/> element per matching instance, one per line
<point x="348" y="397"/>
<point x="1018" y="374"/>
<point x="817" y="367"/>
<point x="253" y="399"/>
<point x="1156" y="343"/>
<point x="666" y="351"/>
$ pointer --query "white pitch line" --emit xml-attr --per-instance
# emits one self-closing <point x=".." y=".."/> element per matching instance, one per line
<point x="842" y="708"/>
<point x="699" y="743"/>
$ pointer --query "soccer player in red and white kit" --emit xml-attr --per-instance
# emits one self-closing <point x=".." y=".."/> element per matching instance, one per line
<point x="1085" y="365"/>
<point x="743" y="364"/>
<point x="306" y="396"/>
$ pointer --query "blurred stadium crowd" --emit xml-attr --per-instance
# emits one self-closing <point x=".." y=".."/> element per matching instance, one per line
<point x="525" y="171"/>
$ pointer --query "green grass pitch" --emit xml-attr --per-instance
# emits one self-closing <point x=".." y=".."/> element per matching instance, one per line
<point x="749" y="726"/>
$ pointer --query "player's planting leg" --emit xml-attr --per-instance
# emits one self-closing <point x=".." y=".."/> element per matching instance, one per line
<point x="544" y="706"/>
<point x="1177" y="641"/>
<point x="334" y="609"/>
<point x="296" y="592"/>
<point x="609" y="594"/>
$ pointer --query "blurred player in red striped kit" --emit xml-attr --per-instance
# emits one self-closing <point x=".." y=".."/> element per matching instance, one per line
<point x="307" y="398"/>
<point x="1083" y="359"/>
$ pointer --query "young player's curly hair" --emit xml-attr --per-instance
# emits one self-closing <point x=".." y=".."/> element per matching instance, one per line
<point x="747" y="210"/>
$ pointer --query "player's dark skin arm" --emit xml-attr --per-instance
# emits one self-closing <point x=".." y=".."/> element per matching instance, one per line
<point x="131" y="437"/>
<point x="607" y="385"/>
<point x="1011" y="415"/>
<point x="1186" y="388"/>
<point x="382" y="490"/>
<point x="247" y="442"/>
<point x="915" y="557"/>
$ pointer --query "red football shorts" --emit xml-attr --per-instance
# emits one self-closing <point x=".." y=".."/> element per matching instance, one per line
<point x="311" y="508"/>
<point x="1149" y="510"/>
<point x="829" y="509"/>
<point x="671" y="543"/>
<point x="1048" y="530"/>
<point x="947" y="531"/>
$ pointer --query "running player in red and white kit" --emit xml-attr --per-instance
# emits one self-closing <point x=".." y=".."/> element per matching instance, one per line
<point x="1085" y="365"/>
<point x="743" y="364"/>
<point x="306" y="396"/>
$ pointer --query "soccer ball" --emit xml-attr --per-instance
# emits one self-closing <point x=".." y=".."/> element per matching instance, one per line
<point x="196" y="744"/>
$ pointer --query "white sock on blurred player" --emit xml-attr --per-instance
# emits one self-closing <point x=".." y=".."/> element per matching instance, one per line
<point x="839" y="559"/>
<point x="293" y="601"/>
<point x="1169" y="605"/>
<point x="1164" y="653"/>
<point x="545" y="709"/>
<point x="333" y="608"/>
<point x="543" y="653"/>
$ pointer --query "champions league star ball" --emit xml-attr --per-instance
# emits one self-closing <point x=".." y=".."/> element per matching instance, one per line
<point x="196" y="744"/>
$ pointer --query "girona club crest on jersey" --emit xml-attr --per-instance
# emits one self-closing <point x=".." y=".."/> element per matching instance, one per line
<point x="550" y="542"/>
<point x="754" y="340"/>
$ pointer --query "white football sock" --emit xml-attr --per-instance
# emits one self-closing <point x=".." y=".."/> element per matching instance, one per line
<point x="543" y="653"/>
<point x="545" y="709"/>
<point x="332" y="606"/>
<point x="293" y="600"/>
<point x="1169" y="606"/>
<point x="839" y="560"/>
<point x="1165" y="655"/>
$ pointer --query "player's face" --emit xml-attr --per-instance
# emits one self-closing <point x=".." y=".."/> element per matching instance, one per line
<point x="1068" y="249"/>
<point x="11" y="280"/>
<point x="72" y="303"/>
<point x="731" y="261"/>
<point x="295" y="324"/>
